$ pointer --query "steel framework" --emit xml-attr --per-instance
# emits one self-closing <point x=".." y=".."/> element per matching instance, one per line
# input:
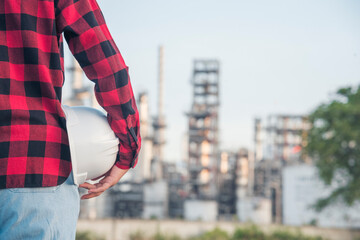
<point x="203" y="130"/>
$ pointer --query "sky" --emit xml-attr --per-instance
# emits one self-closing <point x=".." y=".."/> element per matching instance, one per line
<point x="276" y="57"/>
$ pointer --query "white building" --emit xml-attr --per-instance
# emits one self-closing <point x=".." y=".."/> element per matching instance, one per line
<point x="301" y="188"/>
<point x="156" y="200"/>
<point x="254" y="209"/>
<point x="200" y="210"/>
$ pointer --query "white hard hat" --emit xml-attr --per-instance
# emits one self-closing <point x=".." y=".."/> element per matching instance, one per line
<point x="93" y="144"/>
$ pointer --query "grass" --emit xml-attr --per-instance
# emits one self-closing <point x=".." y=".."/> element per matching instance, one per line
<point x="242" y="233"/>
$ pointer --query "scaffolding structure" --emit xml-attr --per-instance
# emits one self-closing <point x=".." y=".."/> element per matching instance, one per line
<point x="228" y="185"/>
<point x="285" y="136"/>
<point x="203" y="130"/>
<point x="277" y="145"/>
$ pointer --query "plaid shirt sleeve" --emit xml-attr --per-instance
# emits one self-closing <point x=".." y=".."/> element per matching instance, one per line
<point x="89" y="40"/>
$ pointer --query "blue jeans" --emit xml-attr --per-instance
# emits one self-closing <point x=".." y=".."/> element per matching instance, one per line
<point x="40" y="213"/>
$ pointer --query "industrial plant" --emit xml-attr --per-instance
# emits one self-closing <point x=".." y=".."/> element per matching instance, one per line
<point x="210" y="184"/>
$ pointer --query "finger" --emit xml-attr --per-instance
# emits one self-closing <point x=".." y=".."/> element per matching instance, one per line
<point x="87" y="186"/>
<point x="101" y="187"/>
<point x="91" y="195"/>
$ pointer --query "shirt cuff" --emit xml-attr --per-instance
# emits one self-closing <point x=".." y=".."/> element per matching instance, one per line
<point x="119" y="165"/>
<point x="128" y="155"/>
<point x="122" y="166"/>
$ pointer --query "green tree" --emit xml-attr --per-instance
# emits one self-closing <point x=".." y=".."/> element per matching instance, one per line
<point x="334" y="143"/>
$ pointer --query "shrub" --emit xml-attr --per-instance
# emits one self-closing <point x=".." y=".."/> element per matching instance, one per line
<point x="249" y="233"/>
<point x="216" y="234"/>
<point x="160" y="236"/>
<point x="285" y="235"/>
<point x="87" y="235"/>
<point x="138" y="235"/>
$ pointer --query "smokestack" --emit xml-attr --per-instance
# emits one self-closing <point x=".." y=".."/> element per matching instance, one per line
<point x="161" y="83"/>
<point x="258" y="140"/>
<point x="160" y="121"/>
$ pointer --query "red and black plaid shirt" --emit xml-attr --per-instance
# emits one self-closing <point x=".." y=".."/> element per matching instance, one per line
<point x="34" y="149"/>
